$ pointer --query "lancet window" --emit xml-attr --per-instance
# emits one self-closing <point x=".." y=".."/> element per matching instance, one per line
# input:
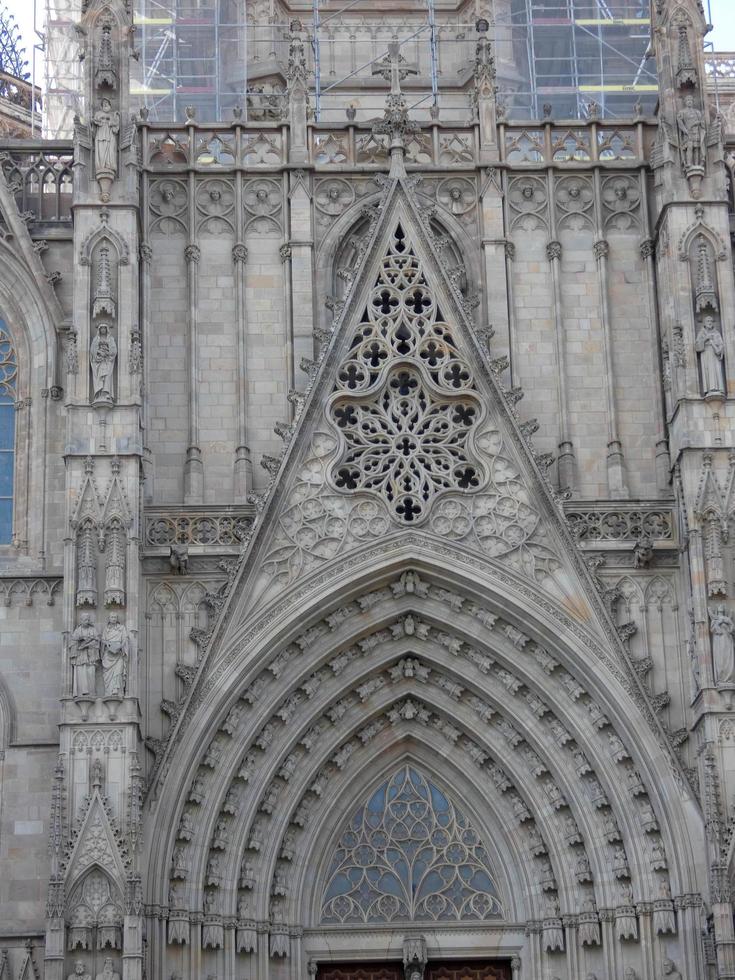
<point x="409" y="854"/>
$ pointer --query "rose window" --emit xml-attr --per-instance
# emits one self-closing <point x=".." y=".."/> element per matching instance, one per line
<point x="405" y="401"/>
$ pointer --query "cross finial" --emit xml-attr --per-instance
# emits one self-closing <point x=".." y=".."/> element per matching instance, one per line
<point x="395" y="122"/>
<point x="394" y="68"/>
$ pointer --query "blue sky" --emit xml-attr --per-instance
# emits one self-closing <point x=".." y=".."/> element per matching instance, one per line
<point x="721" y="13"/>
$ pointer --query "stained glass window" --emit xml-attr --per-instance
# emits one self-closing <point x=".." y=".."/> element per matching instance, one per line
<point x="408" y="855"/>
<point x="8" y="393"/>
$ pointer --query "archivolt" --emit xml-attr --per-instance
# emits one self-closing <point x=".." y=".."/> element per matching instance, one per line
<point x="319" y="703"/>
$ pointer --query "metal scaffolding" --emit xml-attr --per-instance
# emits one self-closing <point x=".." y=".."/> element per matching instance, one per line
<point x="580" y="52"/>
<point x="218" y="55"/>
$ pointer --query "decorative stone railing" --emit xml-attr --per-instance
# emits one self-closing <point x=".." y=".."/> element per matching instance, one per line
<point x="620" y="522"/>
<point x="222" y="528"/>
<point x="572" y="142"/>
<point x="720" y="65"/>
<point x="39" y="174"/>
<point x="265" y="146"/>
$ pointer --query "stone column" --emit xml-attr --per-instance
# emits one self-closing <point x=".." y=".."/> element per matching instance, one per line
<point x="146" y="257"/>
<point x="243" y="464"/>
<point x="566" y="463"/>
<point x="302" y="268"/>
<point x="286" y="255"/>
<point x="193" y="465"/>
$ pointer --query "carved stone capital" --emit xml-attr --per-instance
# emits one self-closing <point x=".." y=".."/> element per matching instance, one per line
<point x="192" y="254"/>
<point x="648" y="248"/>
<point x="553" y="251"/>
<point x="601" y="249"/>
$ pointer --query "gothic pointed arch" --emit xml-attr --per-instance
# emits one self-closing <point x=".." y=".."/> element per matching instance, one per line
<point x="104" y="233"/>
<point x="412" y="592"/>
<point x="251" y="805"/>
<point x="8" y="717"/>
<point x="408" y="853"/>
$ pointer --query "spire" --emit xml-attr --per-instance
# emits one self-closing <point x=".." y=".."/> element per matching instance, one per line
<point x="686" y="72"/>
<point x="103" y="301"/>
<point x="395" y="122"/>
<point x="705" y="294"/>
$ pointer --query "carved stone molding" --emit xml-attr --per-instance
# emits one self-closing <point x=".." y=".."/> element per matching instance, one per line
<point x="24" y="591"/>
<point x="621" y="523"/>
<point x="198" y="526"/>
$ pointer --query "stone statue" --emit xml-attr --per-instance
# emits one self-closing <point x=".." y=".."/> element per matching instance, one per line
<point x="552" y="927"/>
<point x="589" y="925"/>
<point x="723" y="651"/>
<point x="115" y="655"/>
<point x="80" y="972"/>
<point x="484" y="61"/>
<point x="84" y="656"/>
<point x="176" y="895"/>
<point x="668" y="969"/>
<point x="107" y="126"/>
<point x="630" y="974"/>
<point x="102" y="357"/>
<point x="711" y="348"/>
<point x="642" y="552"/>
<point x="179" y="558"/>
<point x="692" y="134"/>
<point x="696" y="667"/>
<point x="107" y="971"/>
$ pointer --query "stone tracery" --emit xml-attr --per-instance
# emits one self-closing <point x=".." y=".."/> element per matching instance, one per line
<point x="409" y="854"/>
<point x="335" y="756"/>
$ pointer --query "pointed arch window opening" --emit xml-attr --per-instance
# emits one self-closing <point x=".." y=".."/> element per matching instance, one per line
<point x="8" y="398"/>
<point x="409" y="854"/>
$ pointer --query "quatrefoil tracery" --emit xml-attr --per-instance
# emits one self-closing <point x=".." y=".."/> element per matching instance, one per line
<point x="405" y="401"/>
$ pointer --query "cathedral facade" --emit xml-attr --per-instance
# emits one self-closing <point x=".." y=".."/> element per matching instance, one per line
<point x="365" y="494"/>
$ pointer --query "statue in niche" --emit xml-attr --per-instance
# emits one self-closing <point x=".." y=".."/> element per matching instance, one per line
<point x="84" y="656"/>
<point x="115" y="655"/>
<point x="692" y="134"/>
<point x="102" y="357"/>
<point x="722" y="628"/>
<point x="108" y="973"/>
<point x="107" y="126"/>
<point x="80" y="972"/>
<point x="711" y="349"/>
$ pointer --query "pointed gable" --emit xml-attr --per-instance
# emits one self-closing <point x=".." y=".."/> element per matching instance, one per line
<point x="408" y="439"/>
<point x="406" y="428"/>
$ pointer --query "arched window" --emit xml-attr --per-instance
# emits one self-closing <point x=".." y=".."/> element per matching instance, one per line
<point x="409" y="854"/>
<point x="8" y="394"/>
